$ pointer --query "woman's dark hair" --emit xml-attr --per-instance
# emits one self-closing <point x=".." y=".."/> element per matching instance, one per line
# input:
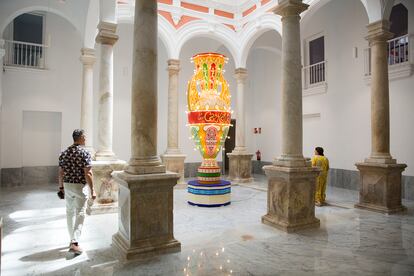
<point x="319" y="150"/>
<point x="77" y="133"/>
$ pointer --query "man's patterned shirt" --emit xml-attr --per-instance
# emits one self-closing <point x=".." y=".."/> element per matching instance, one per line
<point x="73" y="160"/>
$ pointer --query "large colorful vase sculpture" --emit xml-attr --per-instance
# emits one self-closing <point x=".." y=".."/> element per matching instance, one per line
<point x="209" y="117"/>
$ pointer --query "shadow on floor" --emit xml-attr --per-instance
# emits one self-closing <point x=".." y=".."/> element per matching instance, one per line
<point x="49" y="255"/>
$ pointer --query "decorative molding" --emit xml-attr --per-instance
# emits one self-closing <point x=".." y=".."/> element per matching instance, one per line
<point x="87" y="57"/>
<point x="107" y="33"/>
<point x="395" y="72"/>
<point x="25" y="69"/>
<point x="320" y="88"/>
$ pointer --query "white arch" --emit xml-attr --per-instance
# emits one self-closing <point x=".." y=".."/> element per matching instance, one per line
<point x="166" y="33"/>
<point x="18" y="12"/>
<point x="254" y="30"/>
<point x="92" y="20"/>
<point x="375" y="9"/>
<point x="217" y="32"/>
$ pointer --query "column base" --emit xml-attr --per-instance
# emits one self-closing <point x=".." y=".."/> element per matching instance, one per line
<point x="145" y="215"/>
<point x="380" y="187"/>
<point x="148" y="248"/>
<point x="290" y="227"/>
<point x="147" y="165"/>
<point x="105" y="156"/>
<point x="292" y="161"/>
<point x="106" y="188"/>
<point x="175" y="163"/>
<point x="240" y="167"/>
<point x="291" y="198"/>
<point x="380" y="209"/>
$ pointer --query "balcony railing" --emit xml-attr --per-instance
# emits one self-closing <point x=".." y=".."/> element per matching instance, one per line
<point x="398" y="53"/>
<point x="24" y="54"/>
<point x="314" y="74"/>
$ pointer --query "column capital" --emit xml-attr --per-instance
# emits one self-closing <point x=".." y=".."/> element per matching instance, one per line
<point x="240" y="74"/>
<point x="87" y="56"/>
<point x="173" y="66"/>
<point x="378" y="31"/>
<point x="287" y="8"/>
<point x="107" y="33"/>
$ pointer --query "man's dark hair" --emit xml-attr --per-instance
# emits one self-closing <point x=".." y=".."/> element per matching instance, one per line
<point x="319" y="150"/>
<point x="77" y="133"/>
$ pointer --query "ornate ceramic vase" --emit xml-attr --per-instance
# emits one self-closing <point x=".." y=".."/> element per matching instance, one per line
<point x="209" y="115"/>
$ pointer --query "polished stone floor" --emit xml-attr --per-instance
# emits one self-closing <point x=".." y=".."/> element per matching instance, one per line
<point x="224" y="241"/>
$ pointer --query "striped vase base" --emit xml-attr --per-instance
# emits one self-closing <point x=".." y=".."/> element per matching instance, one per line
<point x="209" y="195"/>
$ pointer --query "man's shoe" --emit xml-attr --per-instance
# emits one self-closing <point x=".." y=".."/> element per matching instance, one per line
<point x="75" y="248"/>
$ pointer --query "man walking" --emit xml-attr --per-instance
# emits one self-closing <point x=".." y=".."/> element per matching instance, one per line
<point x="75" y="171"/>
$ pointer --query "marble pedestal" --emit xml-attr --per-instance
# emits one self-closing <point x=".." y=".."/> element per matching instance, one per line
<point x="175" y="163"/>
<point x="240" y="167"/>
<point x="291" y="198"/>
<point x="105" y="187"/>
<point x="380" y="187"/>
<point x="145" y="215"/>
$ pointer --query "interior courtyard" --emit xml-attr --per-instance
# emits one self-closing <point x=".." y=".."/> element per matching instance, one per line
<point x="291" y="75"/>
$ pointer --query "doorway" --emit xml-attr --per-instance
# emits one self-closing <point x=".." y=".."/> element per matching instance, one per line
<point x="230" y="143"/>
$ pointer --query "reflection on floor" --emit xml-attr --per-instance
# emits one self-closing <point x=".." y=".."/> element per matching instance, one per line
<point x="225" y="241"/>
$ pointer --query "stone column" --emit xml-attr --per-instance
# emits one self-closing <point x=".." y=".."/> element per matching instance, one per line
<point x="173" y="159"/>
<point x="291" y="184"/>
<point x="380" y="174"/>
<point x="146" y="189"/>
<point x="240" y="161"/>
<point x="107" y="38"/>
<point x="106" y="161"/>
<point x="88" y="60"/>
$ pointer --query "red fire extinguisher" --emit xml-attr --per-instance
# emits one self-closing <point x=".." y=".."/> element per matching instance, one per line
<point x="258" y="155"/>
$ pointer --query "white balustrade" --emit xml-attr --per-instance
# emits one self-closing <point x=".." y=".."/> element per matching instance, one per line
<point x="398" y="52"/>
<point x="24" y="54"/>
<point x="314" y="74"/>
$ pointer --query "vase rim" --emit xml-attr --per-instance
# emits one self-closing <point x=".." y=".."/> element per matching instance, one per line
<point x="209" y="54"/>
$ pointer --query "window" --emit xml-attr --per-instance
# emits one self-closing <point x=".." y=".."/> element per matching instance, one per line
<point x="317" y="60"/>
<point x="28" y="27"/>
<point x="24" y="42"/>
<point x="314" y="71"/>
<point x="398" y="45"/>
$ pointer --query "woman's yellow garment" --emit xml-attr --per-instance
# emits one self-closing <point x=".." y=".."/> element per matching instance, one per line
<point x="322" y="163"/>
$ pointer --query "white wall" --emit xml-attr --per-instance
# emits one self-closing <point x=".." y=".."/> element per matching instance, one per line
<point x="41" y="138"/>
<point x="263" y="104"/>
<point x="344" y="126"/>
<point x="263" y="96"/>
<point x="57" y="89"/>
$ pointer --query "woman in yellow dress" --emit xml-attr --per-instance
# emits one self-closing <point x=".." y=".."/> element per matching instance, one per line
<point x="320" y="161"/>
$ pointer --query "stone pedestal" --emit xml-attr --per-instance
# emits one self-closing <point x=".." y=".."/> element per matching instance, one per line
<point x="145" y="215"/>
<point x="240" y="167"/>
<point x="380" y="188"/>
<point x="291" y="198"/>
<point x="106" y="188"/>
<point x="175" y="163"/>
